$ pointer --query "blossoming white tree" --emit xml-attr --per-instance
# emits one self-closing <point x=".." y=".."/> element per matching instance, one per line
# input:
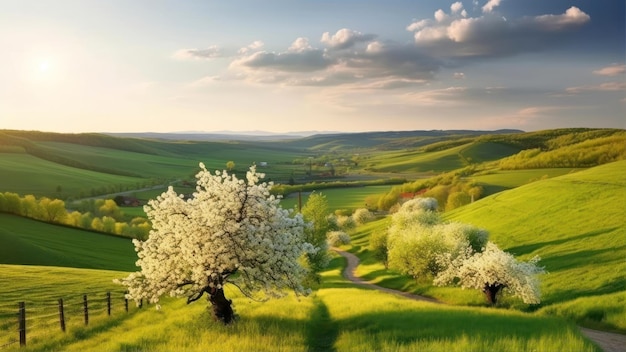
<point x="417" y="239"/>
<point x="230" y="231"/>
<point x="491" y="271"/>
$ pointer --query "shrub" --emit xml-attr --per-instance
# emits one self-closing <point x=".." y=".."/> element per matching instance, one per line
<point x="337" y="238"/>
<point x="362" y="215"/>
<point x="379" y="248"/>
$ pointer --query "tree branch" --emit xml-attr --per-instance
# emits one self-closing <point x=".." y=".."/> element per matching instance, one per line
<point x="191" y="299"/>
<point x="246" y="293"/>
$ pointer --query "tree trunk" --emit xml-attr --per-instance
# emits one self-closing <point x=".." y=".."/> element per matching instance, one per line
<point x="222" y="307"/>
<point x="491" y="292"/>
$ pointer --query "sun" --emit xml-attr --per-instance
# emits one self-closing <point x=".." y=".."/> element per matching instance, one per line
<point x="44" y="70"/>
<point x="44" y="66"/>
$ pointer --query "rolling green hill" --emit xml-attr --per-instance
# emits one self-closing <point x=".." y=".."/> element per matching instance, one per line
<point x="82" y="165"/>
<point x="577" y="224"/>
<point x="29" y="242"/>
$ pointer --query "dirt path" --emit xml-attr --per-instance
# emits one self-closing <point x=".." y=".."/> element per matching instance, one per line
<point x="609" y="342"/>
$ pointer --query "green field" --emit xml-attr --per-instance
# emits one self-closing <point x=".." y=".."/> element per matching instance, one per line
<point x="26" y="174"/>
<point x="31" y="242"/>
<point x="338" y="198"/>
<point x="573" y="217"/>
<point x="339" y="316"/>
<point x="575" y="223"/>
<point x="501" y="180"/>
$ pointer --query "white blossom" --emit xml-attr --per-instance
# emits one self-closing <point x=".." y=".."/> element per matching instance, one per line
<point x="494" y="267"/>
<point x="228" y="232"/>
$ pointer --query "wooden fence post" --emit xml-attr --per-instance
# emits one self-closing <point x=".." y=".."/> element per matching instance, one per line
<point x="126" y="303"/>
<point x="109" y="303"/>
<point x="86" y="309"/>
<point x="22" y="323"/>
<point x="61" y="315"/>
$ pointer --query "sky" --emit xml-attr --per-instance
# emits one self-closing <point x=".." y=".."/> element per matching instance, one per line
<point x="311" y="65"/>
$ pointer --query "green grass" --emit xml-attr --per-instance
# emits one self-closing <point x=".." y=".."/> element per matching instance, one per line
<point x="25" y="174"/>
<point x="338" y="198"/>
<point x="575" y="223"/>
<point x="338" y="317"/>
<point x="500" y="180"/>
<point x="147" y="165"/>
<point x="26" y="241"/>
<point x="487" y="151"/>
<point x="40" y="287"/>
<point x="414" y="161"/>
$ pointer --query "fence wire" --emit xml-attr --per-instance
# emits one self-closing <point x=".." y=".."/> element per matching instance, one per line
<point x="43" y="318"/>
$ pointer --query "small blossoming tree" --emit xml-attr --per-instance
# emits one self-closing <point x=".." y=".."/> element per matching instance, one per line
<point x="491" y="271"/>
<point x="230" y="231"/>
<point x="417" y="239"/>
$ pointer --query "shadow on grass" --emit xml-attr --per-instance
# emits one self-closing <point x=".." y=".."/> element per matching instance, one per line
<point x="529" y="248"/>
<point x="560" y="296"/>
<point x="321" y="331"/>
<point x="407" y="326"/>
<point x="581" y="258"/>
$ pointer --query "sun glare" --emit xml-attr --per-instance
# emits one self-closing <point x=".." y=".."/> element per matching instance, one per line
<point x="44" y="70"/>
<point x="44" y="66"/>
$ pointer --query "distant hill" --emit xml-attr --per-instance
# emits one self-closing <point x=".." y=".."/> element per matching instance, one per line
<point x="311" y="135"/>
<point x="68" y="165"/>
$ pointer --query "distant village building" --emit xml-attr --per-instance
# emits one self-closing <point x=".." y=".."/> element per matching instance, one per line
<point x="127" y="201"/>
<point x="410" y="195"/>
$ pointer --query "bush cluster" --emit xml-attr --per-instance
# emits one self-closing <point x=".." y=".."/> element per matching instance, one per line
<point x="103" y="216"/>
<point x="450" y="190"/>
<point x="419" y="244"/>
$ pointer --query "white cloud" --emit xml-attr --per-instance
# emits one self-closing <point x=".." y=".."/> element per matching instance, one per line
<point x="299" y="58"/>
<point x="536" y="111"/>
<point x="257" y="44"/>
<point x="208" y="53"/>
<point x="300" y="45"/>
<point x="345" y="38"/>
<point x="440" y="16"/>
<point x="572" y="17"/>
<point x="493" y="35"/>
<point x="376" y="66"/>
<point x="416" y="26"/>
<point x="456" y="7"/>
<point x="490" y="5"/>
<point x="612" y="70"/>
<point x="446" y="39"/>
<point x="437" y="97"/>
<point x="604" y="87"/>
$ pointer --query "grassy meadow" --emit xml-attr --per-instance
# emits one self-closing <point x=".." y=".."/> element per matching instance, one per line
<point x="339" y="316"/>
<point x="573" y="217"/>
<point x="574" y="222"/>
<point x="30" y="242"/>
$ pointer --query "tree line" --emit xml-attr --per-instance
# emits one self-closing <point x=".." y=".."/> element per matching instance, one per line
<point x="98" y="215"/>
<point x="450" y="190"/>
<point x="567" y="151"/>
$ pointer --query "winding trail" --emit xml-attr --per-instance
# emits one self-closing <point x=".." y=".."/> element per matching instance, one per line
<point x="609" y="342"/>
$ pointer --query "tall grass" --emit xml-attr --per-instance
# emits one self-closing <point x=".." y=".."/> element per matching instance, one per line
<point x="338" y="317"/>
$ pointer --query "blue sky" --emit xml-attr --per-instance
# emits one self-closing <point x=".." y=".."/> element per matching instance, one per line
<point x="280" y="66"/>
